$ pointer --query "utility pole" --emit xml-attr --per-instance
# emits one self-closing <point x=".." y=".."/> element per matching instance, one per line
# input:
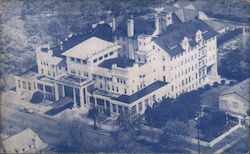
<point x="198" y="134"/>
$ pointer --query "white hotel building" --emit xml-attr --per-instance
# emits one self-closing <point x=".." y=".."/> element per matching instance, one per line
<point x="132" y="71"/>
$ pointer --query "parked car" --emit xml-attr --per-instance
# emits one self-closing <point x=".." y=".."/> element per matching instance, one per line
<point x="27" y="110"/>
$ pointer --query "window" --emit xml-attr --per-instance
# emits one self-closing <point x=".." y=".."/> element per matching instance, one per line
<point x="108" y="87"/>
<point x="154" y="98"/>
<point x="84" y="61"/>
<point x="133" y="110"/>
<point x="101" y="85"/>
<point x="111" y="53"/>
<point x="73" y="71"/>
<point x="40" y="86"/>
<point x="107" y="104"/>
<point x="48" y="73"/>
<point x="19" y="83"/>
<point x="113" y="107"/>
<point x="95" y="60"/>
<point x="72" y="59"/>
<point x="29" y="86"/>
<point x="146" y="101"/>
<point x="48" y="89"/>
<point x="117" y="89"/>
<point x="100" y="58"/>
<point x="140" y="106"/>
<point x="119" y="109"/>
<point x="24" y="84"/>
<point x="42" y="71"/>
<point x="86" y="74"/>
<point x="125" y="91"/>
<point x="78" y="60"/>
<point x="106" y="55"/>
<point x="163" y="68"/>
<point x="100" y="102"/>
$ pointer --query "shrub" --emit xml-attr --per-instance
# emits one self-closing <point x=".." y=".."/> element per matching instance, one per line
<point x="37" y="97"/>
<point x="200" y="90"/>
<point x="207" y="87"/>
<point x="216" y="84"/>
<point x="231" y="83"/>
<point x="222" y="82"/>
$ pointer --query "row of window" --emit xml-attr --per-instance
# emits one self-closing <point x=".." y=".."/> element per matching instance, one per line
<point x="202" y="44"/>
<point x="24" y="85"/>
<point x="49" y="74"/>
<point x="73" y="71"/>
<point x="44" y="87"/>
<point x="140" y="105"/>
<point x="187" y="71"/>
<point x="185" y="82"/>
<point x="78" y="60"/>
<point x="103" y="57"/>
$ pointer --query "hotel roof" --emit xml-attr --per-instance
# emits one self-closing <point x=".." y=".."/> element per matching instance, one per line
<point x="139" y="94"/>
<point x="121" y="62"/>
<point x="102" y="31"/>
<point x="89" y="48"/>
<point x="170" y="39"/>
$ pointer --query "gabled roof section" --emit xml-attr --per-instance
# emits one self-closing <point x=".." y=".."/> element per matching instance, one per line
<point x="170" y="39"/>
<point x="139" y="94"/>
<point x="102" y="31"/>
<point x="121" y="62"/>
<point x="90" y="47"/>
<point x="217" y="26"/>
<point x="24" y="142"/>
<point x="187" y="14"/>
<point x="241" y="89"/>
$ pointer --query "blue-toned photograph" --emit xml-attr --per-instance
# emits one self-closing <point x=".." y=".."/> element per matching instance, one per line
<point x="125" y="76"/>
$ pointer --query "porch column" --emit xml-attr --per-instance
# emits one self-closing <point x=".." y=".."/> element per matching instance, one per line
<point x="63" y="91"/>
<point x="56" y="92"/>
<point x="81" y="97"/>
<point x="74" y="96"/>
<point x="44" y="92"/>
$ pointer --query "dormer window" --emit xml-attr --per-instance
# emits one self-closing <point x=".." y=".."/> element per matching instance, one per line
<point x="185" y="43"/>
<point x="198" y="36"/>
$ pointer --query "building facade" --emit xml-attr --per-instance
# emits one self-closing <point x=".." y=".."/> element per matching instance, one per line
<point x="118" y="77"/>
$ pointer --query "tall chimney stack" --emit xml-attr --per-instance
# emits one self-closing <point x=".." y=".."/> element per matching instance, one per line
<point x="157" y="25"/>
<point x="130" y="27"/>
<point x="113" y="25"/>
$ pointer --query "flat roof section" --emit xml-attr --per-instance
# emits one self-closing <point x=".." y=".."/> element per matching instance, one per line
<point x="139" y="94"/>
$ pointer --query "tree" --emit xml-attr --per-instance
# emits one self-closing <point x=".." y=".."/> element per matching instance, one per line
<point x="172" y="140"/>
<point x="231" y="66"/>
<point x="92" y="114"/>
<point x="148" y="115"/>
<point x="37" y="97"/>
<point x="72" y="138"/>
<point x="213" y="124"/>
<point x="125" y="137"/>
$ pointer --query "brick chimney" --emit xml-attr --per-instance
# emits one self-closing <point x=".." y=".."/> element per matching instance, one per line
<point x="130" y="27"/>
